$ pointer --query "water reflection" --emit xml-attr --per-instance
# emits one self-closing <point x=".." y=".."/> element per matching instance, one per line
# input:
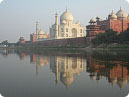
<point x="39" y="61"/>
<point x="65" y="68"/>
<point x="116" y="72"/>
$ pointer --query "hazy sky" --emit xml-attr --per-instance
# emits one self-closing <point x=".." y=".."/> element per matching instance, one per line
<point x="18" y="17"/>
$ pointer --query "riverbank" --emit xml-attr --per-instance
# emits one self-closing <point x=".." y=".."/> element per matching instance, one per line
<point x="109" y="47"/>
<point x="75" y="48"/>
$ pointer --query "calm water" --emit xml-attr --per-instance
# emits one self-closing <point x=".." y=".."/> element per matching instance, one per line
<point x="49" y="74"/>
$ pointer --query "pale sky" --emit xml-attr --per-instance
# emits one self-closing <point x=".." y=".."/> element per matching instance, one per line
<point x="18" y="17"/>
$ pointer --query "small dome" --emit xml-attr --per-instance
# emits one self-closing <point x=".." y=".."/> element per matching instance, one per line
<point x="63" y="22"/>
<point x="121" y="82"/>
<point x="66" y="16"/>
<point x="97" y="17"/>
<point x="34" y="33"/>
<point x="121" y="14"/>
<point x="93" y="77"/>
<point x="77" y="22"/>
<point x="92" y="20"/>
<point x="128" y="17"/>
<point x="114" y="81"/>
<point x="67" y="81"/>
<point x="112" y="16"/>
<point x="41" y="32"/>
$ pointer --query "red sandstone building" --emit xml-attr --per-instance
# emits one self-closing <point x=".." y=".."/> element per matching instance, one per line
<point x="41" y="35"/>
<point x="118" y="22"/>
<point x="22" y="40"/>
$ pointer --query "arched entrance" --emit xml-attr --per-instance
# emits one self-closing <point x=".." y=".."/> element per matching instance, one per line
<point x="74" y="32"/>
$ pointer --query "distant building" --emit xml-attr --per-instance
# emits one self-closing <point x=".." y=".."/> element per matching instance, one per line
<point x="22" y="40"/>
<point x="67" y="28"/>
<point x="41" y="35"/>
<point x="118" y="22"/>
<point x="33" y="37"/>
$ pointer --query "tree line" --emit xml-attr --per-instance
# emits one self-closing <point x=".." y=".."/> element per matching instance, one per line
<point x="110" y="36"/>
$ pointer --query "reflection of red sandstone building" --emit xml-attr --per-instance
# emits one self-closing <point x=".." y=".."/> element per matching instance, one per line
<point x="41" y="35"/>
<point x="40" y="60"/>
<point x="117" y="75"/>
<point x="118" y="22"/>
<point x="22" y="55"/>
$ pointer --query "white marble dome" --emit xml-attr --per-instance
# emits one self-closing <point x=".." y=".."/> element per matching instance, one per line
<point x="92" y="20"/>
<point x="67" y="81"/>
<point x="66" y="16"/>
<point x="128" y="17"/>
<point x="78" y="22"/>
<point x="41" y="32"/>
<point x="113" y="16"/>
<point x="34" y="33"/>
<point x="121" y="14"/>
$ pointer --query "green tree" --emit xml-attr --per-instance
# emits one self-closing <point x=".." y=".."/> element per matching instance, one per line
<point x="5" y="42"/>
<point x="107" y="37"/>
<point x="124" y="36"/>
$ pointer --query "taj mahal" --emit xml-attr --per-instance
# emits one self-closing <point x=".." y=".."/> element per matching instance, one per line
<point x="64" y="29"/>
<point x="67" y="28"/>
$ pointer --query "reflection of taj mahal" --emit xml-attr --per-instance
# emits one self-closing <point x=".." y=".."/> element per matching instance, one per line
<point x="67" y="28"/>
<point x="66" y="67"/>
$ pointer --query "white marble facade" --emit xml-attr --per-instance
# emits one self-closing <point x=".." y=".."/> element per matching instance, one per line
<point x="67" y="28"/>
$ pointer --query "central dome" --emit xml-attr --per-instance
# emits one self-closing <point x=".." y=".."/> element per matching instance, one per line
<point x="66" y="16"/>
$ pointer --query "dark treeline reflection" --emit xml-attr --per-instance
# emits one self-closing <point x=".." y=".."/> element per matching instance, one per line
<point x="114" y="66"/>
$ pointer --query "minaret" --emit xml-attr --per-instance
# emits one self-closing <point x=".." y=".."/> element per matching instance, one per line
<point x="37" y="30"/>
<point x="37" y="63"/>
<point x="122" y="23"/>
<point x="56" y="23"/>
<point x="57" y="72"/>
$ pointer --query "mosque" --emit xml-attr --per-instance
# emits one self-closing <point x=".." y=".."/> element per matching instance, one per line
<point x="67" y="28"/>
<point x="118" y="22"/>
<point x="40" y="35"/>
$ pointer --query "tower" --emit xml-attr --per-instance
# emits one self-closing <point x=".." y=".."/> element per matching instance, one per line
<point x="56" y="23"/>
<point x="122" y="23"/>
<point x="37" y="30"/>
<point x="92" y="30"/>
<point x="57" y="72"/>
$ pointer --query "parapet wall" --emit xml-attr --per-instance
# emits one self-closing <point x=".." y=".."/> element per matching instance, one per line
<point x="63" y="42"/>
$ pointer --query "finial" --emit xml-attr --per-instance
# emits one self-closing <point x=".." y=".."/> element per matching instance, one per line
<point x="56" y="14"/>
<point x="112" y="12"/>
<point x="120" y="8"/>
<point x="66" y="9"/>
